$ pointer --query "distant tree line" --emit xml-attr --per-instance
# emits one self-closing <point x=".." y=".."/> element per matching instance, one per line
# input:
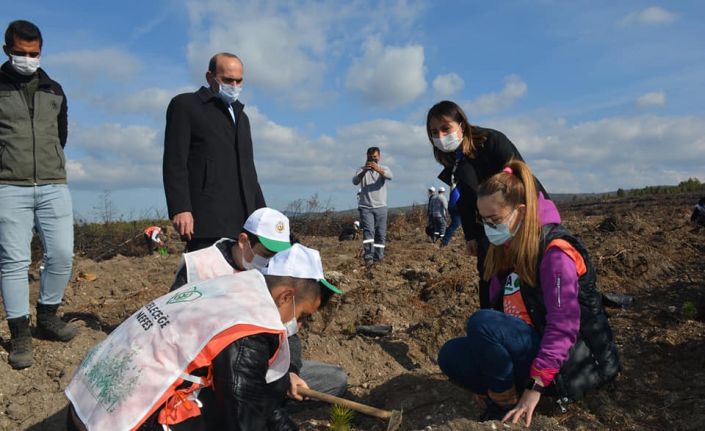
<point x="689" y="185"/>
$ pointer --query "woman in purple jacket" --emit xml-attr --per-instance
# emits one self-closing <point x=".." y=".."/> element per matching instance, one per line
<point x="547" y="332"/>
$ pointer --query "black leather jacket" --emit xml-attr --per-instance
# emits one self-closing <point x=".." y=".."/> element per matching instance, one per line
<point x="240" y="399"/>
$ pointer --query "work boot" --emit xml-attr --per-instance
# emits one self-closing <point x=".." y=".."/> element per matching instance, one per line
<point x="50" y="326"/>
<point x="20" y="343"/>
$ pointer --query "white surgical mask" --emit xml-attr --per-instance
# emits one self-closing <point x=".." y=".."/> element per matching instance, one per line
<point x="448" y="143"/>
<point x="258" y="262"/>
<point x="292" y="326"/>
<point x="24" y="65"/>
<point x="229" y="93"/>
<point x="499" y="234"/>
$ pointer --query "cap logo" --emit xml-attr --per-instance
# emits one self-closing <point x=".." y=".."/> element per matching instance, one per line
<point x="279" y="227"/>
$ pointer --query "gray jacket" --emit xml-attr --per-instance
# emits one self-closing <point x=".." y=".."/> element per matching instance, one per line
<point x="374" y="187"/>
<point x="32" y="136"/>
<point x="438" y="206"/>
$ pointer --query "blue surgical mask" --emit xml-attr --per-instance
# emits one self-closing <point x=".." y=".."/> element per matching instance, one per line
<point x="499" y="234"/>
<point x="292" y="326"/>
<point x="229" y="93"/>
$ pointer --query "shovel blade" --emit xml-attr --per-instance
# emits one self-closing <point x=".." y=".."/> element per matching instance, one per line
<point x="394" y="421"/>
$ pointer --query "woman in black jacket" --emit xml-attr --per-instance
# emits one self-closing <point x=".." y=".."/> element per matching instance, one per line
<point x="469" y="155"/>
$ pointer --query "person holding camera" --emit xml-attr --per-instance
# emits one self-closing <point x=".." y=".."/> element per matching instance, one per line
<point x="372" y="179"/>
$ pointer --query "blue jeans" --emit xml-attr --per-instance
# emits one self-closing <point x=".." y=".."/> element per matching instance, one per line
<point x="495" y="355"/>
<point x="374" y="232"/>
<point x="455" y="223"/>
<point x="48" y="209"/>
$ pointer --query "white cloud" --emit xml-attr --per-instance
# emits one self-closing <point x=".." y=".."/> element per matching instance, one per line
<point x="150" y="101"/>
<point x="651" y="100"/>
<point x="114" y="157"/>
<point x="448" y="84"/>
<point x="288" y="47"/>
<point x="90" y="65"/>
<point x="388" y="76"/>
<point x="610" y="153"/>
<point x="297" y="165"/>
<point x="514" y="88"/>
<point x="653" y="15"/>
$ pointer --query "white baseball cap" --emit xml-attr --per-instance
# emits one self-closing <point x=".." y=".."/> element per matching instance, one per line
<point x="299" y="262"/>
<point x="431" y="189"/>
<point x="271" y="228"/>
<point x="442" y="190"/>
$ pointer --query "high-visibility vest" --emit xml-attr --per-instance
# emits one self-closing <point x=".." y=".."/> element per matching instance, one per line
<point x="138" y="367"/>
<point x="205" y="263"/>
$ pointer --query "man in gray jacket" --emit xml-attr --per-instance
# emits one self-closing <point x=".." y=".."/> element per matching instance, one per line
<point x="438" y="209"/>
<point x="33" y="191"/>
<point x="372" y="178"/>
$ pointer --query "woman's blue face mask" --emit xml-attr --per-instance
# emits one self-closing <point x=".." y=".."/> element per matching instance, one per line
<point x="499" y="233"/>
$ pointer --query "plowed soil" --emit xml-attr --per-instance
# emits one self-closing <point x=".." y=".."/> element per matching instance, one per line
<point x="644" y="248"/>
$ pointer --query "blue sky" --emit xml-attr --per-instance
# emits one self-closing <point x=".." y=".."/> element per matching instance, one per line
<point x="597" y="95"/>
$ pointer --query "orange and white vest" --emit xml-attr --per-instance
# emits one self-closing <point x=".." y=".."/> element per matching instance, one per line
<point x="205" y="263"/>
<point x="137" y="368"/>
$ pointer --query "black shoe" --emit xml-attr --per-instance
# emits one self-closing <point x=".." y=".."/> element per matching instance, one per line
<point x="493" y="412"/>
<point x="50" y="326"/>
<point x="20" y="343"/>
<point x="368" y="263"/>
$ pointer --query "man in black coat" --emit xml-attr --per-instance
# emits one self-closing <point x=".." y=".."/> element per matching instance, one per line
<point x="210" y="179"/>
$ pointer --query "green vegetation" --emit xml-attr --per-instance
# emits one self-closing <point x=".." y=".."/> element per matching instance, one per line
<point x="689" y="185"/>
<point x="340" y="418"/>
<point x="689" y="310"/>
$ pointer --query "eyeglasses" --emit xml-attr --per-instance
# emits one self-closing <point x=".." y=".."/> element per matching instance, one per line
<point x="33" y="54"/>
<point x="492" y="224"/>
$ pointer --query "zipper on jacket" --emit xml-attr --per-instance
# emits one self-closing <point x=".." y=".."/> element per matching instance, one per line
<point x="558" y="288"/>
<point x="34" y="139"/>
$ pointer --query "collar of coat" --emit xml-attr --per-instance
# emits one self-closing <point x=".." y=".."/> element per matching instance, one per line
<point x="207" y="96"/>
<point x="9" y="75"/>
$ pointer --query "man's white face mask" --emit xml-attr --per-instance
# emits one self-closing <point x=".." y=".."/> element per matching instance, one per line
<point x="258" y="262"/>
<point x="24" y="65"/>
<point x="292" y="326"/>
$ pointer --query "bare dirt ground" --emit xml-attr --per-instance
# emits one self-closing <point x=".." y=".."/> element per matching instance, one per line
<point x="645" y="248"/>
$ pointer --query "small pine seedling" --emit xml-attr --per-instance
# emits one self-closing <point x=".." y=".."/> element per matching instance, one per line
<point x="340" y="418"/>
<point x="689" y="310"/>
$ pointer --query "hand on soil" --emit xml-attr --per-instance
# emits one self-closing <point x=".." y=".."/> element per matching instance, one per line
<point x="525" y="406"/>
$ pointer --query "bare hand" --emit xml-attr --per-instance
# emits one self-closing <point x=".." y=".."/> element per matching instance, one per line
<point x="293" y="391"/>
<point x="471" y="247"/>
<point x="372" y="166"/>
<point x="183" y="223"/>
<point x="525" y="406"/>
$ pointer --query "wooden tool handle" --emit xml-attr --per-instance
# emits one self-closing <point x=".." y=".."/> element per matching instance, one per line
<point x="362" y="408"/>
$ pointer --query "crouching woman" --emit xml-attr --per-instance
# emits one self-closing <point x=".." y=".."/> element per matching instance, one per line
<point x="547" y="332"/>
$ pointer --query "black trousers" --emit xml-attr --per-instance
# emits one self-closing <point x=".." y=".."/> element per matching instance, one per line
<point x="483" y="246"/>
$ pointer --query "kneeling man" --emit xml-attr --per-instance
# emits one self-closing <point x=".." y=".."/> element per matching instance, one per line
<point x="201" y="357"/>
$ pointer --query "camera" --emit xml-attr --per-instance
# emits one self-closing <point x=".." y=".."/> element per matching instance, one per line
<point x="371" y="159"/>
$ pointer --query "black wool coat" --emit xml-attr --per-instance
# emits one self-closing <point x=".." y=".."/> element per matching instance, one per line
<point x="208" y="164"/>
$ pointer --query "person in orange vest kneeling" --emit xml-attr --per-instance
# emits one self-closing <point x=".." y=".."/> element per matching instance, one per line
<point x="201" y="357"/>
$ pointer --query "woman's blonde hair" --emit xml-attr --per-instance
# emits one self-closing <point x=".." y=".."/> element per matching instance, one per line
<point x="473" y="137"/>
<point x="516" y="186"/>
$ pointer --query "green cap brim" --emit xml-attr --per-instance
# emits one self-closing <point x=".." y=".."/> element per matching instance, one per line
<point x="325" y="282"/>
<point x="274" y="246"/>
